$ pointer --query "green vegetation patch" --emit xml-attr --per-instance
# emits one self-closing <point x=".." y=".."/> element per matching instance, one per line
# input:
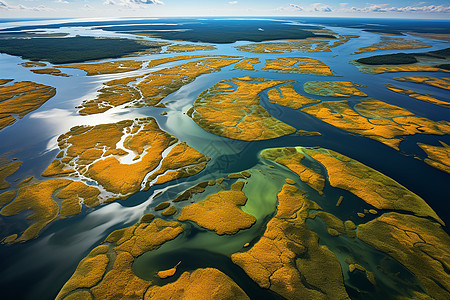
<point x="389" y="59"/>
<point x="73" y="49"/>
<point x="405" y="58"/>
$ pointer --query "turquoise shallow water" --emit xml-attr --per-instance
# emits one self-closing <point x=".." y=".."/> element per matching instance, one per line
<point x="44" y="264"/>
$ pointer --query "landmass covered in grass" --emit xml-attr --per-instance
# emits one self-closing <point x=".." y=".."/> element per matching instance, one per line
<point x="73" y="49"/>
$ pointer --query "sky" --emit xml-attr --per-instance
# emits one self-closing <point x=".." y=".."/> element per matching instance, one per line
<point x="166" y="8"/>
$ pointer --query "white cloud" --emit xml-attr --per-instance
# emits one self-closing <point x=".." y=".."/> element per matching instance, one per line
<point x="62" y="1"/>
<point x="5" y="5"/>
<point x="133" y="3"/>
<point x="382" y="8"/>
<point x="87" y="6"/>
<point x="369" y="8"/>
<point x="320" y="7"/>
<point x="296" y="7"/>
<point x="233" y="2"/>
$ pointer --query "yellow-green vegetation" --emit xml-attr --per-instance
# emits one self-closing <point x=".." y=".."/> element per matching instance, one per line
<point x="7" y="197"/>
<point x="393" y="43"/>
<point x="287" y="96"/>
<point x="288" y="46"/>
<point x="369" y="275"/>
<point x="303" y="65"/>
<point x="291" y="157"/>
<point x="161" y="83"/>
<point x="6" y="170"/>
<point x="334" y="224"/>
<point x="5" y="81"/>
<point x="247" y="64"/>
<point x="421" y="97"/>
<point x="33" y="64"/>
<point x="93" y="152"/>
<point x="421" y="245"/>
<point x="377" y="120"/>
<point x="220" y="212"/>
<point x="39" y="198"/>
<point x="236" y="112"/>
<point x="168" y="273"/>
<point x="20" y="99"/>
<point x="368" y="184"/>
<point x="161" y="206"/>
<point x="307" y="133"/>
<point x="290" y="181"/>
<point x="438" y="157"/>
<point x="106" y="272"/>
<point x="117" y="156"/>
<point x="416" y="67"/>
<point x="333" y="88"/>
<point x="154" y="86"/>
<point x="443" y="83"/>
<point x="189" y="48"/>
<point x="288" y="258"/>
<point x="116" y="92"/>
<point x="306" y="45"/>
<point x="143" y="237"/>
<point x="164" y="60"/>
<point x="75" y="194"/>
<point x="196" y="189"/>
<point x="170" y="211"/>
<point x="112" y="67"/>
<point x="50" y="71"/>
<point x="201" y="284"/>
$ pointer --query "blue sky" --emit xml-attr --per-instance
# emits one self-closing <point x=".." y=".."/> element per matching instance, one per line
<point x="160" y="8"/>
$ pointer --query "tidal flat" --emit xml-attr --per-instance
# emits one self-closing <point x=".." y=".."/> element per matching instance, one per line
<point x="224" y="159"/>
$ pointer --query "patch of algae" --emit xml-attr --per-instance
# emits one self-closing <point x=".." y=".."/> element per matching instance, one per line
<point x="288" y="258"/>
<point x="393" y="43"/>
<point x="291" y="158"/>
<point x="220" y="212"/>
<point x="105" y="153"/>
<point x="421" y="97"/>
<point x="154" y="86"/>
<point x="50" y="71"/>
<point x="333" y="88"/>
<point x="443" y="83"/>
<point x="377" y="120"/>
<point x="368" y="184"/>
<point x="7" y="170"/>
<point x="438" y="157"/>
<point x="287" y="96"/>
<point x="189" y="48"/>
<point x="421" y="245"/>
<point x="20" y="99"/>
<point x="303" y="65"/>
<point x="39" y="198"/>
<point x="111" y="67"/>
<point x="236" y="113"/>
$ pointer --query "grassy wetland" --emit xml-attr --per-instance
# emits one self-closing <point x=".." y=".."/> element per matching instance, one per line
<point x="224" y="159"/>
